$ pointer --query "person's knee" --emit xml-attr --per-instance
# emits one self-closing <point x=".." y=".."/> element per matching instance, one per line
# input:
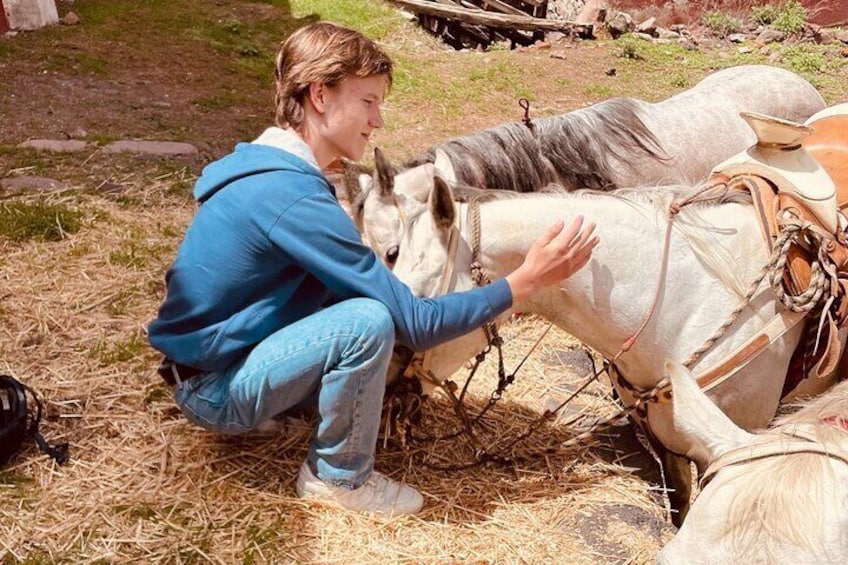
<point x="378" y="317"/>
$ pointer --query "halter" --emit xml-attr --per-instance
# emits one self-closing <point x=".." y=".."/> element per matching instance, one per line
<point x="419" y="365"/>
<point x="797" y="439"/>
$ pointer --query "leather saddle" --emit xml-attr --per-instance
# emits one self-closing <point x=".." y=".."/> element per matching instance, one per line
<point x="799" y="172"/>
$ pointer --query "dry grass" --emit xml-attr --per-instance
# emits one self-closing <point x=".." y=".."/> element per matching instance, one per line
<point x="145" y="486"/>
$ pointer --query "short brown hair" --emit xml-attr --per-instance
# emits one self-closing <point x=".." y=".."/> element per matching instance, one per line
<point x="322" y="52"/>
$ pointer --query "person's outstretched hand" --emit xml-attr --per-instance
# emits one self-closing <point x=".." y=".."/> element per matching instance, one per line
<point x="556" y="255"/>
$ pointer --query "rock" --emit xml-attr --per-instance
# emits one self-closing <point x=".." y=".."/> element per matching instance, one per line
<point x="70" y="19"/>
<point x="811" y="32"/>
<point x="842" y="36"/>
<point x="17" y="185"/>
<point x="151" y="147"/>
<point x="663" y="33"/>
<point x="28" y="15"/>
<point x="845" y="52"/>
<point x="745" y="50"/>
<point x="619" y="24"/>
<point x="737" y="38"/>
<point x="77" y="133"/>
<point x="61" y="146"/>
<point x="658" y="41"/>
<point x="828" y="36"/>
<point x="688" y="44"/>
<point x="770" y="35"/>
<point x="649" y="26"/>
<point x="593" y="12"/>
<point x="682" y="29"/>
<point x="644" y="36"/>
<point x="610" y="72"/>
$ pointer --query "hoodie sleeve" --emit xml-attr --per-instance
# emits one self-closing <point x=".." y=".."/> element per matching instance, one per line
<point x="316" y="234"/>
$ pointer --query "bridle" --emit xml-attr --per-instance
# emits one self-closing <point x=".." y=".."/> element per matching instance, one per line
<point x="420" y="364"/>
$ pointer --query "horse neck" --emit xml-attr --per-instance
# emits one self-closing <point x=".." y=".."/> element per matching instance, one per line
<point x="505" y="157"/>
<point x="828" y="415"/>
<point x="604" y="303"/>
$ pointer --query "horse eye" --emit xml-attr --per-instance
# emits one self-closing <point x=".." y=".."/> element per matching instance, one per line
<point x="392" y="255"/>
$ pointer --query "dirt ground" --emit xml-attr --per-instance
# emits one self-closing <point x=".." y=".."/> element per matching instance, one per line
<point x="143" y="485"/>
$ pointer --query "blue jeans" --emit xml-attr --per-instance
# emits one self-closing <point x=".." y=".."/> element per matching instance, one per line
<point x="336" y="358"/>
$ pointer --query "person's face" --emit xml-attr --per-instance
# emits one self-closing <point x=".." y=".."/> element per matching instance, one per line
<point x="351" y="113"/>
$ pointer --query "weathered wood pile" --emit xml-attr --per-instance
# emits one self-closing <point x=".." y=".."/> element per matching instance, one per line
<point x="479" y="23"/>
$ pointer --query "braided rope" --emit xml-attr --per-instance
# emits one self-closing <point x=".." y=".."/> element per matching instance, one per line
<point x="793" y="231"/>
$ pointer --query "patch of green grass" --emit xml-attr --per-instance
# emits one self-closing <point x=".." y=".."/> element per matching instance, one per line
<point x="10" y="478"/>
<point x="377" y="20"/>
<point x="183" y="190"/>
<point x="222" y="100"/>
<point x="101" y="138"/>
<point x="722" y="23"/>
<point x="21" y="221"/>
<point x="501" y="75"/>
<point x="76" y="63"/>
<point x="119" y="306"/>
<point x="791" y="17"/>
<point x="111" y="354"/>
<point x="28" y="161"/>
<point x="157" y="393"/>
<point x="764" y="15"/>
<point x="598" y="90"/>
<point x="262" y="538"/>
<point x="629" y="48"/>
<point x="7" y="48"/>
<point x="680" y="80"/>
<point x="135" y="255"/>
<point x="804" y="59"/>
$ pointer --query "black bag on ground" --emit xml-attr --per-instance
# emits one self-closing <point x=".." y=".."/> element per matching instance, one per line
<point x="18" y="423"/>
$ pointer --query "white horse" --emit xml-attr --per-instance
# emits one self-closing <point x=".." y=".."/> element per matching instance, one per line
<point x="780" y="496"/>
<point x="714" y="253"/>
<point x="626" y="142"/>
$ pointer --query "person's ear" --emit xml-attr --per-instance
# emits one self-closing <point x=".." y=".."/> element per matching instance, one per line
<point x="316" y="95"/>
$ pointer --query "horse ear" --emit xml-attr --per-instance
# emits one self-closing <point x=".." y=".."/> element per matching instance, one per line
<point x="384" y="173"/>
<point x="441" y="204"/>
<point x="444" y="167"/>
<point x="700" y="421"/>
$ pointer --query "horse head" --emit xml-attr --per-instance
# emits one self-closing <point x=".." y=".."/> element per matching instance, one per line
<point x="410" y="219"/>
<point x="389" y="197"/>
<point x="770" y="495"/>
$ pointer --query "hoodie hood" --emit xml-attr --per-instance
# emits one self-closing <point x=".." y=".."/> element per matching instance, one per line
<point x="275" y="150"/>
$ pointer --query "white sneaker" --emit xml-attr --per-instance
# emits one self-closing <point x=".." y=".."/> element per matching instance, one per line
<point x="379" y="494"/>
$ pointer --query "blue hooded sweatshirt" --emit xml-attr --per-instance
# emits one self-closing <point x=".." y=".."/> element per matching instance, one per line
<point x="270" y="245"/>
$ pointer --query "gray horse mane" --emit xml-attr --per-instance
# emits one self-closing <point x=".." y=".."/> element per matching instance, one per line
<point x="578" y="149"/>
<point x="717" y="196"/>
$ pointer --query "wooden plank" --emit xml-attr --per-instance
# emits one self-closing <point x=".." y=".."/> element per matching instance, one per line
<point x="490" y="19"/>
<point x="503" y="7"/>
